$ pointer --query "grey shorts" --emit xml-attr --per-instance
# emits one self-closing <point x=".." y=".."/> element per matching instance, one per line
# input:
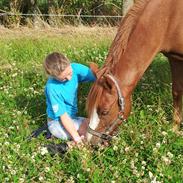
<point x="58" y="130"/>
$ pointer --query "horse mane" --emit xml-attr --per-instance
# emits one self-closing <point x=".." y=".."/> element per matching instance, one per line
<point x="95" y="93"/>
<point x="117" y="48"/>
<point x="127" y="25"/>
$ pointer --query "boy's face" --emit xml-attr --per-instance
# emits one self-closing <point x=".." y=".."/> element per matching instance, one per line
<point x="66" y="74"/>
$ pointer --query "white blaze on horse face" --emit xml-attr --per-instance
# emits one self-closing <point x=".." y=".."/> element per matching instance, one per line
<point x="94" y="121"/>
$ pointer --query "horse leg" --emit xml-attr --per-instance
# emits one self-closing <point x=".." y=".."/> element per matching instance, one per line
<point x="177" y="91"/>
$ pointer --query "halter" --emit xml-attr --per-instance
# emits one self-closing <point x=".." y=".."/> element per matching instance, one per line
<point x="106" y="136"/>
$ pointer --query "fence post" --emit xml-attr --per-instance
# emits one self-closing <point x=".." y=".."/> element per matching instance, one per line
<point x="127" y="4"/>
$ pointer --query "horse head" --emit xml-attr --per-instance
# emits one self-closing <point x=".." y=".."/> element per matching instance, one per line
<point x="106" y="107"/>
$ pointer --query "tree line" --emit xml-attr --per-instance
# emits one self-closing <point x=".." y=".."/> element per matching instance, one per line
<point x="64" y="7"/>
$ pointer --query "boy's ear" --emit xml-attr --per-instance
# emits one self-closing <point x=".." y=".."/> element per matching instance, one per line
<point x="94" y="68"/>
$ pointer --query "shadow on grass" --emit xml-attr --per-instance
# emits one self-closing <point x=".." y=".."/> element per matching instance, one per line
<point x="31" y="104"/>
<point x="35" y="107"/>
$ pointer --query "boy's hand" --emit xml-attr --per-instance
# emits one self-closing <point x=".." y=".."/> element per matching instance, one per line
<point x="94" y="67"/>
<point x="78" y="139"/>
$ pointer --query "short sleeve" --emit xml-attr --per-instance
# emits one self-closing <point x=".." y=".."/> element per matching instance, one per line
<point x="56" y="102"/>
<point x="84" y="73"/>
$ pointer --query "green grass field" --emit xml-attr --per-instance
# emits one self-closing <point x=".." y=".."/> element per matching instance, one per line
<point x="146" y="149"/>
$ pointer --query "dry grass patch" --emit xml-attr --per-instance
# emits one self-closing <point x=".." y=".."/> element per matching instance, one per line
<point x="97" y="32"/>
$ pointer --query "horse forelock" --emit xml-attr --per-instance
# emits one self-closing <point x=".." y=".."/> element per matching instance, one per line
<point x="125" y="29"/>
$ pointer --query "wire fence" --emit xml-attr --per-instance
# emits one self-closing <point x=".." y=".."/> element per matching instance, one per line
<point x="9" y="19"/>
<point x="60" y="15"/>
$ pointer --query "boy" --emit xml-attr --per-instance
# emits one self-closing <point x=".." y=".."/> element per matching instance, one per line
<point x="61" y="96"/>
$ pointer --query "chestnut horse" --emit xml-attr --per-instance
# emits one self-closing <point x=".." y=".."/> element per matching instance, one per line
<point x="149" y="27"/>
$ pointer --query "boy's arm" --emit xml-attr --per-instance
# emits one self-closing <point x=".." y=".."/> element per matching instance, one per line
<point x="85" y="74"/>
<point x="69" y="126"/>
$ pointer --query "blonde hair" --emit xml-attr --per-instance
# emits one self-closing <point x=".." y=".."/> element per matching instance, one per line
<point x="55" y="63"/>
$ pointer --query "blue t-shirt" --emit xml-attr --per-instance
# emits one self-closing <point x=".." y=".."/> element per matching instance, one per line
<point x="61" y="97"/>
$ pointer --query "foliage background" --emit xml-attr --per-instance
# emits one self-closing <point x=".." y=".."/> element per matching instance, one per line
<point x="74" y="7"/>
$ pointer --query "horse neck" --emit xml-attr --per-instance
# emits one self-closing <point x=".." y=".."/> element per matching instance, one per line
<point x="146" y="39"/>
<point x="133" y="64"/>
<point x="137" y="57"/>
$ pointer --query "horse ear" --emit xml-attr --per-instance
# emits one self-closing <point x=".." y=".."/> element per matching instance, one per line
<point x="109" y="84"/>
<point x="94" y="68"/>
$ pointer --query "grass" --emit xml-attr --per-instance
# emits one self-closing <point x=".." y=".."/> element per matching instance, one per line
<point x="146" y="149"/>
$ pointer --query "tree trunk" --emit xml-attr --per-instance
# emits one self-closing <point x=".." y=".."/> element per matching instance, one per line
<point x="127" y="4"/>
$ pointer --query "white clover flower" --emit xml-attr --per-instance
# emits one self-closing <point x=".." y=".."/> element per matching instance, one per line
<point x="21" y="180"/>
<point x="6" y="179"/>
<point x="155" y="150"/>
<point x="142" y="173"/>
<point x="150" y="175"/>
<point x="33" y="160"/>
<point x="170" y="155"/>
<point x="11" y="127"/>
<point x="88" y="169"/>
<point x="179" y="156"/>
<point x="6" y="143"/>
<point x="43" y="150"/>
<point x="124" y="161"/>
<point x="14" y="75"/>
<point x="116" y="174"/>
<point x="17" y="146"/>
<point x="143" y="163"/>
<point x="132" y="164"/>
<point x="135" y="172"/>
<point x="161" y="175"/>
<point x="127" y="149"/>
<point x="115" y="138"/>
<point x="25" y="112"/>
<point x="18" y="112"/>
<point x="47" y="169"/>
<point x="164" y="133"/>
<point x="115" y="148"/>
<point x="13" y="172"/>
<point x="164" y="140"/>
<point x="166" y="160"/>
<point x="35" y="92"/>
<point x="41" y="178"/>
<point x="71" y="179"/>
<point x="154" y="180"/>
<point x="158" y="145"/>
